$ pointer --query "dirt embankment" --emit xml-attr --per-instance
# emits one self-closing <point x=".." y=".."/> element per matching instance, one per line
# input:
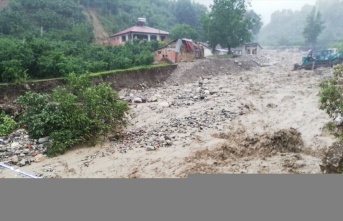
<point x="133" y="79"/>
<point x="100" y="35"/>
<point x="212" y="116"/>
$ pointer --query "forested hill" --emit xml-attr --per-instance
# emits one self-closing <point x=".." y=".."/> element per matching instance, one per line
<point x="52" y="38"/>
<point x="286" y="26"/>
<point x="67" y="20"/>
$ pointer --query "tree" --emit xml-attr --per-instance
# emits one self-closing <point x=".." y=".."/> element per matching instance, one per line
<point x="227" y="24"/>
<point x="186" y="13"/>
<point x="314" y="26"/>
<point x="256" y="23"/>
<point x="184" y="31"/>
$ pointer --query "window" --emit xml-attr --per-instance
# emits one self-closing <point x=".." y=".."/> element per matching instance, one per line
<point x="153" y="37"/>
<point x="163" y="38"/>
<point x="159" y="52"/>
<point x="123" y="38"/>
<point x="140" y="37"/>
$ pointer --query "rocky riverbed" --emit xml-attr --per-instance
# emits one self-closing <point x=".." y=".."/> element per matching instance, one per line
<point x="250" y="114"/>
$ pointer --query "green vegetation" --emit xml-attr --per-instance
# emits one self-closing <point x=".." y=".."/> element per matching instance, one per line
<point x="52" y="38"/>
<point x="229" y="24"/>
<point x="72" y="114"/>
<point x="7" y="124"/>
<point x="314" y="26"/>
<point x="162" y="14"/>
<point x="286" y="26"/>
<point x="184" y="31"/>
<point x="41" y="58"/>
<point x="331" y="97"/>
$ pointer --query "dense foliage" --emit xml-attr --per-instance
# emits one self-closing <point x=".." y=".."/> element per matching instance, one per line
<point x="52" y="38"/>
<point x="162" y="14"/>
<point x="331" y="97"/>
<point x="66" y="19"/>
<point x="72" y="114"/>
<point x="184" y="31"/>
<point x="55" y="19"/>
<point x="44" y="58"/>
<point x="286" y="26"/>
<point x="314" y="26"/>
<point x="7" y="124"/>
<point x="229" y="24"/>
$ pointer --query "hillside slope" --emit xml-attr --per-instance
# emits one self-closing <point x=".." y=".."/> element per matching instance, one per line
<point x="101" y="37"/>
<point x="67" y="20"/>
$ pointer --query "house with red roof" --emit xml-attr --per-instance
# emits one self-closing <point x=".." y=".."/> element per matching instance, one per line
<point x="140" y="32"/>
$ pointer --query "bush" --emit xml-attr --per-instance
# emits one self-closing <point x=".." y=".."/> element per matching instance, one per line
<point x="39" y="58"/>
<point x="331" y="96"/>
<point x="7" y="124"/>
<point x="73" y="114"/>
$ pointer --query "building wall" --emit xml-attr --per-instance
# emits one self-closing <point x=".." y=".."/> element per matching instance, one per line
<point x="186" y="55"/>
<point x="166" y="54"/>
<point x="169" y="53"/>
<point x="118" y="39"/>
<point x="207" y="52"/>
<point x="115" y="40"/>
<point x="252" y="50"/>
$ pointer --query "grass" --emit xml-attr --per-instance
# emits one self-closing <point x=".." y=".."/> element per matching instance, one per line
<point x="129" y="69"/>
<point x="95" y="74"/>
<point x="222" y="56"/>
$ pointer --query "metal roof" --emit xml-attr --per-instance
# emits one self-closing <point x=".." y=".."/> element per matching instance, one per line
<point x="253" y="44"/>
<point x="141" y="29"/>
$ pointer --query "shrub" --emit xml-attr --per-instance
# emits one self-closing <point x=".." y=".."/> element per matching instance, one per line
<point x="73" y="114"/>
<point x="7" y="124"/>
<point x="331" y="96"/>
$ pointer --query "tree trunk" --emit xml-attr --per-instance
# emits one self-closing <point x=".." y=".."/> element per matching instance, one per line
<point x="228" y="49"/>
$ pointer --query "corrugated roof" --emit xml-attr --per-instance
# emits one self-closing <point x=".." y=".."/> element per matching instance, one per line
<point x="253" y="44"/>
<point x="141" y="29"/>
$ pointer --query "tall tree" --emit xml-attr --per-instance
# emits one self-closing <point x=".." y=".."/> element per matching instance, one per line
<point x="256" y="22"/>
<point x="314" y="26"/>
<point x="186" y="13"/>
<point x="227" y="24"/>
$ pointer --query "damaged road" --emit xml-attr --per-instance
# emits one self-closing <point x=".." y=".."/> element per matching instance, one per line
<point x="242" y="115"/>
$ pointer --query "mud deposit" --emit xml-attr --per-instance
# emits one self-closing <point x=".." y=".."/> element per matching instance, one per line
<point x="229" y="116"/>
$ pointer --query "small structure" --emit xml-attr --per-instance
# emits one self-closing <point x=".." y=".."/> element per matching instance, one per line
<point x="207" y="49"/>
<point x="221" y="51"/>
<point x="179" y="50"/>
<point x="253" y="48"/>
<point x="247" y="49"/>
<point x="140" y="32"/>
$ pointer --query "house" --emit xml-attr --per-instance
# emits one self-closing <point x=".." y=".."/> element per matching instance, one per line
<point x="248" y="49"/>
<point x="179" y="50"/>
<point x="140" y="32"/>
<point x="220" y="51"/>
<point x="252" y="48"/>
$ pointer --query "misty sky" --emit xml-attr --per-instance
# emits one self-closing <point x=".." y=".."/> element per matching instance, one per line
<point x="266" y="7"/>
